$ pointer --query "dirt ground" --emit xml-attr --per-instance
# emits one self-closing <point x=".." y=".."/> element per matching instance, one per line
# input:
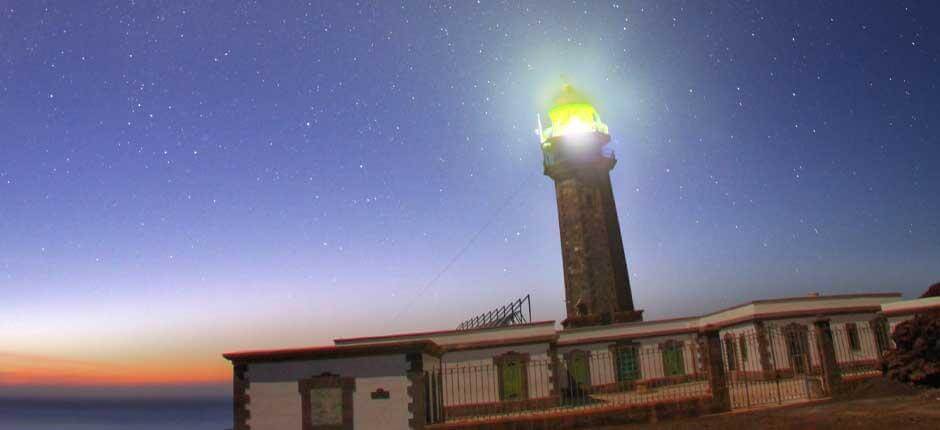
<point x="873" y="404"/>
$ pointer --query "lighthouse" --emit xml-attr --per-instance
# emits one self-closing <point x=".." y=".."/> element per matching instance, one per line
<point x="597" y="284"/>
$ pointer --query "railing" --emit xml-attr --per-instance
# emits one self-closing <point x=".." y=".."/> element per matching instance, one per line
<point x="783" y="363"/>
<point x="619" y="377"/>
<point x="517" y="312"/>
<point x="859" y="348"/>
<point x="773" y="365"/>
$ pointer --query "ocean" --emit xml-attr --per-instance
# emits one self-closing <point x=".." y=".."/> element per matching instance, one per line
<point x="115" y="414"/>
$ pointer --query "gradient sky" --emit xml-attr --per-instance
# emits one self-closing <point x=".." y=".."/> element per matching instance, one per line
<point x="180" y="179"/>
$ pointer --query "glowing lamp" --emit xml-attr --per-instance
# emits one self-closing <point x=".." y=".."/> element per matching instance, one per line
<point x="571" y="115"/>
<point x="575" y="127"/>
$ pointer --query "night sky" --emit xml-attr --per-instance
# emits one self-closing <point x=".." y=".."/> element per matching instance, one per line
<point x="180" y="179"/>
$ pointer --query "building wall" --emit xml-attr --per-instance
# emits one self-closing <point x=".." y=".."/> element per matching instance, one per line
<point x="430" y="362"/>
<point x="867" y="342"/>
<point x="626" y="330"/>
<point x="275" y="401"/>
<point x="382" y="413"/>
<point x="868" y="349"/>
<point x="274" y="405"/>
<point x="469" y="374"/>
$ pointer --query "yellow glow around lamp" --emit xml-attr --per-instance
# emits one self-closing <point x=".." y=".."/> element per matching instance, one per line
<point x="571" y="115"/>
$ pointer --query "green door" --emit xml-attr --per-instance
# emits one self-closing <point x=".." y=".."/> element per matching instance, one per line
<point x="628" y="366"/>
<point x="672" y="362"/>
<point x="513" y="382"/>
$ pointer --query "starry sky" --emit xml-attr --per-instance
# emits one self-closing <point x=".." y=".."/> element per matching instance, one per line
<point x="180" y="179"/>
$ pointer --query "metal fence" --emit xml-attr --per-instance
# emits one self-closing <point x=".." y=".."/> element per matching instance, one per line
<point x="774" y="366"/>
<point x="617" y="377"/>
<point x="777" y="364"/>
<point x="859" y="348"/>
<point x="783" y="363"/>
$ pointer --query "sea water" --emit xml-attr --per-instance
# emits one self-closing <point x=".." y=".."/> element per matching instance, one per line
<point x="114" y="414"/>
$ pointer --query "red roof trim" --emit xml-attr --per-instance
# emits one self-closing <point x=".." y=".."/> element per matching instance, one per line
<point x="612" y="338"/>
<point x="629" y="324"/>
<point x="723" y="324"/>
<point x="498" y="343"/>
<point x="318" y="352"/>
<point x="434" y="333"/>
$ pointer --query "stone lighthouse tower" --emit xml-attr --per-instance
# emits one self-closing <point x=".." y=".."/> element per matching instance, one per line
<point x="597" y="285"/>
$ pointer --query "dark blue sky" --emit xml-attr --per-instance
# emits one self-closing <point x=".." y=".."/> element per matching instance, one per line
<point x="218" y="175"/>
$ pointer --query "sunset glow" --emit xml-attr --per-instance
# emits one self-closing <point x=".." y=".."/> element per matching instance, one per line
<point x="25" y="370"/>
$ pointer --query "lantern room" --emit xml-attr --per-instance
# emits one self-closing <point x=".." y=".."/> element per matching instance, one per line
<point x="572" y="117"/>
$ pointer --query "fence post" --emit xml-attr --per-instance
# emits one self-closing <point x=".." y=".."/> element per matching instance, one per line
<point x="832" y="376"/>
<point x="763" y="347"/>
<point x="710" y="342"/>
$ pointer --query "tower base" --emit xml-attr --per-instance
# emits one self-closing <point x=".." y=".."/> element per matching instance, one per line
<point x="603" y="319"/>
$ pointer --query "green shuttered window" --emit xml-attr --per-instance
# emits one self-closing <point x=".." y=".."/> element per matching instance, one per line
<point x="628" y="364"/>
<point x="673" y="364"/>
<point x="513" y="382"/>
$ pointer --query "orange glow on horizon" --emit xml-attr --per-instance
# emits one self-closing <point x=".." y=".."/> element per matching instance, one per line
<point x="35" y="370"/>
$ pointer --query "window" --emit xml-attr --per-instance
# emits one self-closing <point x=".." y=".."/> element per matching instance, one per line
<point x="851" y="331"/>
<point x="627" y="364"/>
<point x="797" y="341"/>
<point x="742" y="345"/>
<point x="673" y="364"/>
<point x="513" y="380"/>
<point x="730" y="354"/>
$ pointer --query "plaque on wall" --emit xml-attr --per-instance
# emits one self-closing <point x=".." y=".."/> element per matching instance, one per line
<point x="326" y="406"/>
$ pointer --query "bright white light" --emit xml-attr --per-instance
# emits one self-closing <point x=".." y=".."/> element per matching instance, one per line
<point x="575" y="126"/>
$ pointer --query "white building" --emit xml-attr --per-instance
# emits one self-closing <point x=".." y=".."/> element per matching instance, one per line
<point x="408" y="380"/>
<point x="603" y="362"/>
